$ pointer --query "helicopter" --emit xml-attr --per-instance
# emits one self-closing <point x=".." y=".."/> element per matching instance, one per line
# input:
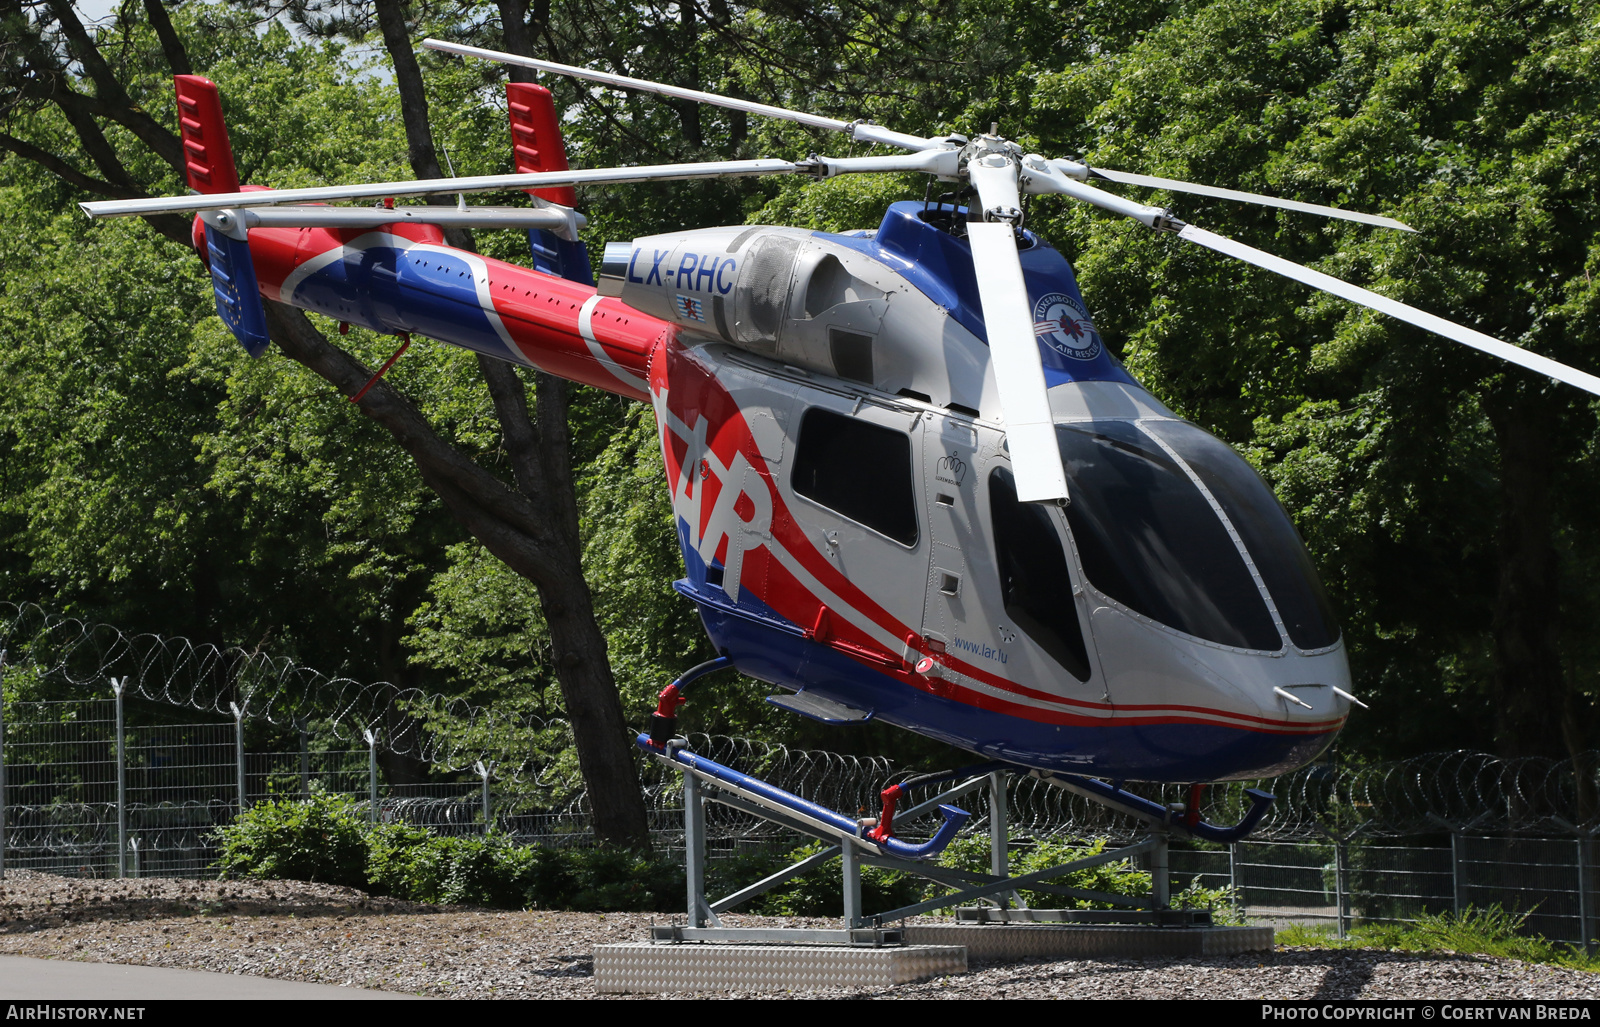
<point x="910" y="482"/>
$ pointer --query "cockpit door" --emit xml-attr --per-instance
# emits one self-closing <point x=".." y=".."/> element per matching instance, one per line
<point x="1001" y="593"/>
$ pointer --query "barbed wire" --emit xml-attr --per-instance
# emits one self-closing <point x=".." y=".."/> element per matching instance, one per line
<point x="444" y="731"/>
<point x="1428" y="794"/>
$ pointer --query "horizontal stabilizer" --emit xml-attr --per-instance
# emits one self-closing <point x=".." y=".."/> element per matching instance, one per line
<point x="554" y="219"/>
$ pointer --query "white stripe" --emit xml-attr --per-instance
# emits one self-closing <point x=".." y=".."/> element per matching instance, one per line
<point x="586" y="329"/>
<point x="480" y="278"/>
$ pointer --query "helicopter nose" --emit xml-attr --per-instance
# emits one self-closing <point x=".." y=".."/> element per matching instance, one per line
<point x="1145" y="664"/>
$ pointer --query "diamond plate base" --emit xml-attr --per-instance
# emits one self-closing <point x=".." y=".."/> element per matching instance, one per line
<point x="1072" y="941"/>
<point x="643" y="967"/>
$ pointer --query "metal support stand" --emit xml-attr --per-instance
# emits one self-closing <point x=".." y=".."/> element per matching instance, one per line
<point x="851" y="858"/>
<point x="1000" y="838"/>
<point x="705" y="781"/>
<point x="122" y="784"/>
<point x="1160" y="872"/>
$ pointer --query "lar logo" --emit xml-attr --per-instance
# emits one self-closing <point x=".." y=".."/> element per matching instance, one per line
<point x="1065" y="327"/>
<point x="950" y="469"/>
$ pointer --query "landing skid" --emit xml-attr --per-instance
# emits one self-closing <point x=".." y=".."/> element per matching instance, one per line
<point x="860" y="843"/>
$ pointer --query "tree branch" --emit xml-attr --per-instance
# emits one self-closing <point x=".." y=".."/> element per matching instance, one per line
<point x="171" y="45"/>
<point x="65" y="171"/>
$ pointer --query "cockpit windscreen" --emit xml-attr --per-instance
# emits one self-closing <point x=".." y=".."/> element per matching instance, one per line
<point x="1149" y="539"/>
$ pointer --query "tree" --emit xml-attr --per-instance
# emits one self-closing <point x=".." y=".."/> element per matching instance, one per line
<point x="529" y="522"/>
<point x="1445" y="494"/>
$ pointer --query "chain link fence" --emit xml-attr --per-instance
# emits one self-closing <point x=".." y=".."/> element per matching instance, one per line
<point x="84" y="792"/>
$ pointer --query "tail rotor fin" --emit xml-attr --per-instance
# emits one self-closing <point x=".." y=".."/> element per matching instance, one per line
<point x="209" y="168"/>
<point x="537" y="145"/>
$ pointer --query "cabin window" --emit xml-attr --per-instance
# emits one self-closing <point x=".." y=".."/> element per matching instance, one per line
<point x="858" y="469"/>
<point x="1269" y="536"/>
<point x="1149" y="539"/>
<point x="1034" y="583"/>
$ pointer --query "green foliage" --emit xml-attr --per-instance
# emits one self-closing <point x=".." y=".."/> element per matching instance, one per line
<point x="322" y="840"/>
<point x="821" y="892"/>
<point x="1490" y="932"/>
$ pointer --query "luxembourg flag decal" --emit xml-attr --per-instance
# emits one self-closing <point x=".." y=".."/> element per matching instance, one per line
<point x="693" y="309"/>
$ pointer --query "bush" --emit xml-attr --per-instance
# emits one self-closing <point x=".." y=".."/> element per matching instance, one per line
<point x="323" y="839"/>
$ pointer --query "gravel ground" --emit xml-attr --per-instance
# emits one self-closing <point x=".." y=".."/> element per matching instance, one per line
<point x="315" y="932"/>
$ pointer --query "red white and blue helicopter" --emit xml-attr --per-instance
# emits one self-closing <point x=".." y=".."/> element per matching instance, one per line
<point x="910" y="481"/>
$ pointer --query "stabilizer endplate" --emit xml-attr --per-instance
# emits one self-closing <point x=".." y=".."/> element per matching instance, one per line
<point x="233" y="280"/>
<point x="537" y="145"/>
<point x="207" y="154"/>
<point x="536" y="142"/>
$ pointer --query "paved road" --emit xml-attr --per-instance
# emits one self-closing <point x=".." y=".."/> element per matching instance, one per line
<point x="65" y="979"/>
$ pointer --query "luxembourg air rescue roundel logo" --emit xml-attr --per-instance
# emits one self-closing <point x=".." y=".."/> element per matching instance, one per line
<point x="1065" y="327"/>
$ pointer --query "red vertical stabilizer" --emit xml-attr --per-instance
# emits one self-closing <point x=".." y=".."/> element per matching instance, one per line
<point x="536" y="142"/>
<point x="207" y="155"/>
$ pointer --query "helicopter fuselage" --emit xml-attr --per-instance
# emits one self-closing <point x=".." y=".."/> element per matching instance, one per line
<point x="843" y="498"/>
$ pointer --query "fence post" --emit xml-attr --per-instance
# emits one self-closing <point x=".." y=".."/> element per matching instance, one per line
<point x="1341" y="886"/>
<point x="483" y="772"/>
<point x="1233" y="872"/>
<point x="1455" y="871"/>
<point x="305" y="759"/>
<point x="133" y="843"/>
<point x="122" y="784"/>
<point x="1585" y="900"/>
<point x="238" y="749"/>
<point x="372" y="774"/>
<point x="2" y="764"/>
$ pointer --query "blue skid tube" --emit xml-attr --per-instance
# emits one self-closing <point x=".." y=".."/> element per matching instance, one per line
<point x="954" y="819"/>
<point x="1111" y="795"/>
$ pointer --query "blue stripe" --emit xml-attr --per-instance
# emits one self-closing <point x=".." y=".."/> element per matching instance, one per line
<point x="1176" y="753"/>
<point x="387" y="289"/>
<point x="940" y="266"/>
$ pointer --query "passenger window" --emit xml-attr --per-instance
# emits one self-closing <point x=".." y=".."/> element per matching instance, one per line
<point x="858" y="469"/>
<point x="1033" y="575"/>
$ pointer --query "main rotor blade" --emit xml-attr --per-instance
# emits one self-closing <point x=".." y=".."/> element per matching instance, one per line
<point x="1013" y="345"/>
<point x="855" y="129"/>
<point x="1083" y="172"/>
<point x="434" y="186"/>
<point x="1355" y="294"/>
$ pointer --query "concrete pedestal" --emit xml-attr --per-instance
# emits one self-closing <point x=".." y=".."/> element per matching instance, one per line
<point x="647" y="967"/>
<point x="998" y="942"/>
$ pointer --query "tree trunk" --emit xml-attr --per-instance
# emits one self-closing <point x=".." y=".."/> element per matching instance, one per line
<point x="542" y="465"/>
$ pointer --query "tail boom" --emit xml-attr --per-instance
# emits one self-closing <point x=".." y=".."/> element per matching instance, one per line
<point x="403" y="278"/>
